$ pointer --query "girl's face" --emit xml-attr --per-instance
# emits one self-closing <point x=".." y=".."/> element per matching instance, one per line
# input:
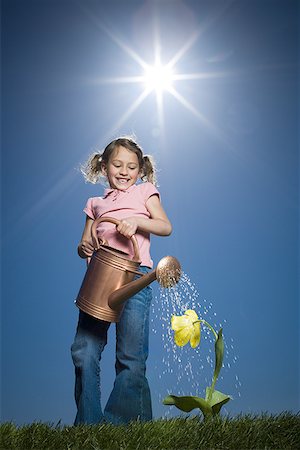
<point x="122" y="169"/>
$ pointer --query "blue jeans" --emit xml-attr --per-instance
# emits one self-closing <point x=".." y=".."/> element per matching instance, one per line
<point x="130" y="398"/>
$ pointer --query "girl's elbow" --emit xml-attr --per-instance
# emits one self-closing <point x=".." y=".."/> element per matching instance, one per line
<point x="168" y="229"/>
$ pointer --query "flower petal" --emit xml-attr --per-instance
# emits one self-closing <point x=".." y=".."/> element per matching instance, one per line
<point x="192" y="314"/>
<point x="179" y="322"/>
<point x="183" y="336"/>
<point x="195" y="337"/>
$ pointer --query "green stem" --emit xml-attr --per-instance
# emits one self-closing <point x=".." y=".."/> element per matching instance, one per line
<point x="209" y="326"/>
<point x="213" y="384"/>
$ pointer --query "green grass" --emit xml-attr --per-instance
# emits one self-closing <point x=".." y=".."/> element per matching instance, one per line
<point x="243" y="432"/>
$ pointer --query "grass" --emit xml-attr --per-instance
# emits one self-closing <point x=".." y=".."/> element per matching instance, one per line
<point x="243" y="432"/>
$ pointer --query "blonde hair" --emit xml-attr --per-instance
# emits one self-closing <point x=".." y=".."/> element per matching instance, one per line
<point x="92" y="169"/>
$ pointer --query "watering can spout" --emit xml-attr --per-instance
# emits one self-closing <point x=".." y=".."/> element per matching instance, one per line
<point x="167" y="273"/>
<point x="109" y="278"/>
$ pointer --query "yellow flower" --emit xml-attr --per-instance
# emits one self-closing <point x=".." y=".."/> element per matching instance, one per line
<point x="187" y="329"/>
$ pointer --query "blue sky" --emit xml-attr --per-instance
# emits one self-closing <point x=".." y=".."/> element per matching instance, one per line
<point x="227" y="153"/>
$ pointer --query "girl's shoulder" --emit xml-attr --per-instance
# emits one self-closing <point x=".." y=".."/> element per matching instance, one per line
<point x="146" y="186"/>
<point x="94" y="206"/>
<point x="93" y="200"/>
<point x="146" y="189"/>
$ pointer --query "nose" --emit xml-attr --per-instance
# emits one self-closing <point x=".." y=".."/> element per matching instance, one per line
<point x="123" y="170"/>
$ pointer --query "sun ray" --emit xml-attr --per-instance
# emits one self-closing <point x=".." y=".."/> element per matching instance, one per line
<point x="160" y="110"/>
<point x="159" y="78"/>
<point x="158" y="63"/>
<point x="196" y="34"/>
<point x="189" y="106"/>
<point x="203" y="75"/>
<point x="156" y="37"/>
<point x="172" y="76"/>
<point x="117" y="80"/>
<point x="59" y="187"/>
<point x="215" y="130"/>
<point x="188" y="44"/>
<point x="134" y="55"/>
<point x="127" y="114"/>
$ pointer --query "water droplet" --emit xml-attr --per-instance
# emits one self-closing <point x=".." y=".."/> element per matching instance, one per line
<point x="185" y="368"/>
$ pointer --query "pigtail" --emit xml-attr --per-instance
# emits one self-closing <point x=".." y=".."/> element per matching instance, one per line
<point x="149" y="170"/>
<point x="92" y="168"/>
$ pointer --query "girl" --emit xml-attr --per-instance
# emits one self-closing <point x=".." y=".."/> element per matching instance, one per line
<point x="140" y="212"/>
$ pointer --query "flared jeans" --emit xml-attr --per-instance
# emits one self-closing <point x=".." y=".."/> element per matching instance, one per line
<point x="130" y="397"/>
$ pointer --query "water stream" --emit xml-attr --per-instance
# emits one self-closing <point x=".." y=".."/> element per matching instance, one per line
<point x="186" y="370"/>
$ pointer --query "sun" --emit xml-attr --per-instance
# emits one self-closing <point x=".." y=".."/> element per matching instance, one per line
<point x="158" y="78"/>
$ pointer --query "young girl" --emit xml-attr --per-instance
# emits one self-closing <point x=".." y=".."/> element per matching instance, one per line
<point x="140" y="212"/>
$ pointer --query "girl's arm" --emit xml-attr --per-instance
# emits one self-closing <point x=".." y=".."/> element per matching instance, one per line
<point x="85" y="246"/>
<point x="158" y="223"/>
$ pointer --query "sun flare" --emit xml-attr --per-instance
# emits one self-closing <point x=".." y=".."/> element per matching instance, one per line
<point x="158" y="78"/>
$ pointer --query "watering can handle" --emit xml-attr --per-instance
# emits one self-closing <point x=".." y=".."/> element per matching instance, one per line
<point x="95" y="238"/>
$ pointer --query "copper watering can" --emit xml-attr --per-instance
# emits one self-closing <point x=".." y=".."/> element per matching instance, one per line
<point x="108" y="281"/>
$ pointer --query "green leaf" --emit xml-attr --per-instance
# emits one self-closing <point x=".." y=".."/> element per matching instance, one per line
<point x="219" y="352"/>
<point x="216" y="399"/>
<point x="189" y="403"/>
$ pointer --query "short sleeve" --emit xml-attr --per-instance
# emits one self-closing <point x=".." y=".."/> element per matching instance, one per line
<point x="148" y="189"/>
<point x="88" y="209"/>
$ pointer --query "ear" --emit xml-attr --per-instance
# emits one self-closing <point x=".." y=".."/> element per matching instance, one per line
<point x="103" y="169"/>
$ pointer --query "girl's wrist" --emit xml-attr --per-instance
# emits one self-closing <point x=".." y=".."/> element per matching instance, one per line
<point x="79" y="251"/>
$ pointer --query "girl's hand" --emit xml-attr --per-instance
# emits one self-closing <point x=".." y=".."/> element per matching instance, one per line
<point x="128" y="227"/>
<point x="85" y="249"/>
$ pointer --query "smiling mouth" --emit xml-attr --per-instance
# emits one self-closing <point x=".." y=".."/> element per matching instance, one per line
<point x="122" y="180"/>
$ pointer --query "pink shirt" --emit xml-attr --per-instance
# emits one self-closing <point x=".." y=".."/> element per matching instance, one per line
<point x="121" y="204"/>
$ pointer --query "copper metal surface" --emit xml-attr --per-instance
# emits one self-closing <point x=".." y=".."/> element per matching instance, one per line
<point x="122" y="294"/>
<point x="108" y="281"/>
<point x="109" y="269"/>
<point x="168" y="271"/>
<point x="95" y="238"/>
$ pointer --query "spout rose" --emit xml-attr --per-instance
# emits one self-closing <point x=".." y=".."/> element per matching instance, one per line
<point x="168" y="271"/>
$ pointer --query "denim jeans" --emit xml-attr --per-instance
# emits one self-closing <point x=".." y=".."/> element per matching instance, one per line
<point x="130" y="398"/>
